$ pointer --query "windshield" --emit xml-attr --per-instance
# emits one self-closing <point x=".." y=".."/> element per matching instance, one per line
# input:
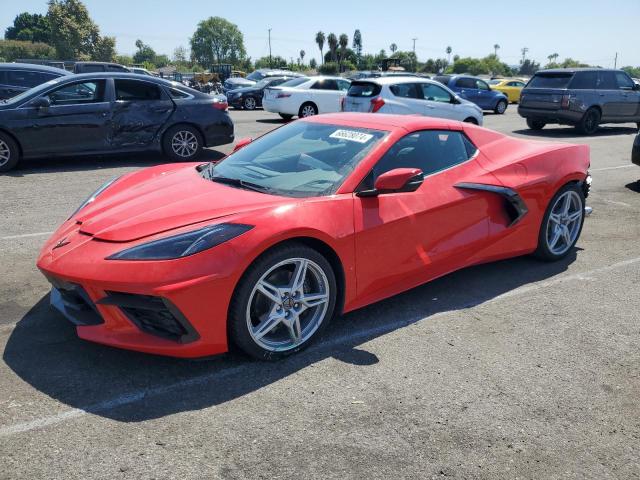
<point x="294" y="82"/>
<point x="255" y="76"/>
<point x="301" y="159"/>
<point x="495" y="82"/>
<point x="31" y="91"/>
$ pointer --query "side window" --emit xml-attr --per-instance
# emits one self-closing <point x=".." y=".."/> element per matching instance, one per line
<point x="623" y="81"/>
<point x="435" y="93"/>
<point x="405" y="90"/>
<point x="519" y="84"/>
<point x="319" y="85"/>
<point x="116" y="68"/>
<point x="177" y="94"/>
<point x="584" y="81"/>
<point x="607" y="81"/>
<point x="343" y="85"/>
<point x="481" y="85"/>
<point x="23" y="78"/>
<point x="466" y="83"/>
<point x="79" y="93"/>
<point x="429" y="150"/>
<point x="91" y="68"/>
<point x="133" y="90"/>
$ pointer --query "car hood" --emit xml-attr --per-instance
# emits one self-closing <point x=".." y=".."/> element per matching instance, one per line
<point x="156" y="200"/>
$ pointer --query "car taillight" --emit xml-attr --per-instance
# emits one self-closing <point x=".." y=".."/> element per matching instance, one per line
<point x="220" y="105"/>
<point x="376" y="104"/>
<point x="283" y="95"/>
<point x="565" y="101"/>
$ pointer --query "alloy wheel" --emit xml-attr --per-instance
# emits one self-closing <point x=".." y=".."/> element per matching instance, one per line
<point x="5" y="153"/>
<point x="250" y="103"/>
<point x="184" y="144"/>
<point x="308" y="111"/>
<point x="288" y="304"/>
<point x="563" y="225"/>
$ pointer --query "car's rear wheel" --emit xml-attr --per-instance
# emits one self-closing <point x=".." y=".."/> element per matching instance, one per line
<point x="285" y="116"/>
<point x="249" y="103"/>
<point x="182" y="143"/>
<point x="282" y="302"/>
<point x="561" y="224"/>
<point x="471" y="120"/>
<point x="308" y="110"/>
<point x="9" y="153"/>
<point x="535" y="124"/>
<point x="589" y="122"/>
<point x="501" y="107"/>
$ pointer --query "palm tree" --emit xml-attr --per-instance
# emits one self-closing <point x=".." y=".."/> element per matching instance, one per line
<point x="393" y="47"/>
<point x="320" y="42"/>
<point x="332" y="40"/>
<point x="344" y="43"/>
<point x="496" y="47"/>
<point x="302" y="54"/>
<point x="449" y="50"/>
<point x="553" y="57"/>
<point x="357" y="45"/>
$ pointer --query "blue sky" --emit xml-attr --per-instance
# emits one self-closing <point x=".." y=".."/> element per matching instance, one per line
<point x="589" y="30"/>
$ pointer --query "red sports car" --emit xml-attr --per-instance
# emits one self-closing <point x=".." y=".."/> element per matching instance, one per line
<point x="318" y="217"/>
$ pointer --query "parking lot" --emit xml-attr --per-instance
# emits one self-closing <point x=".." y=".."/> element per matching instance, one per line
<point x="517" y="369"/>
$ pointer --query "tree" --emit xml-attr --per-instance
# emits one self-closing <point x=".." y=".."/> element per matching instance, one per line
<point x="73" y="33"/>
<point x="104" y="49"/>
<point x="29" y="27"/>
<point x="449" y="50"/>
<point x="343" y="42"/>
<point x="217" y="40"/>
<point x="145" y="53"/>
<point x="496" y="47"/>
<point x="632" y="71"/>
<point x="357" y="46"/>
<point x="329" y="68"/>
<point x="332" y="40"/>
<point x="320" y="41"/>
<point x="302" y="54"/>
<point x="12" y="50"/>
<point x="276" y="62"/>
<point x="180" y="54"/>
<point x="393" y="47"/>
<point x="313" y="64"/>
<point x="528" y="67"/>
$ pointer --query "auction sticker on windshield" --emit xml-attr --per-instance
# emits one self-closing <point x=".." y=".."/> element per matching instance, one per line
<point x="352" y="136"/>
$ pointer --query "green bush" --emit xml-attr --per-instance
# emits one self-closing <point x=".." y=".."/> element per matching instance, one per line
<point x="329" y="68"/>
<point x="11" y="50"/>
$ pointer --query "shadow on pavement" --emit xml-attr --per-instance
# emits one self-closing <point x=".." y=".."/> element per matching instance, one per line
<point x="557" y="131"/>
<point x="273" y="121"/>
<point x="634" y="186"/>
<point x="44" y="351"/>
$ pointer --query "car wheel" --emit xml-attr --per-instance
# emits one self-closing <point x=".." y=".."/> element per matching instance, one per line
<point x="307" y="110"/>
<point x="285" y="116"/>
<point x="471" y="120"/>
<point x="535" y="124"/>
<point x="249" y="103"/>
<point x="182" y="143"/>
<point x="282" y="302"/>
<point x="501" y="107"/>
<point x="590" y="121"/>
<point x="561" y="224"/>
<point x="9" y="153"/>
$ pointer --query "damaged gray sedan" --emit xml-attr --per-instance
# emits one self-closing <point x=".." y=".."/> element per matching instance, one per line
<point x="99" y="113"/>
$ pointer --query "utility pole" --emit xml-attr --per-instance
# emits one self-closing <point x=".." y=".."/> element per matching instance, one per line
<point x="615" y="62"/>
<point x="524" y="53"/>
<point x="414" y="54"/>
<point x="269" y="48"/>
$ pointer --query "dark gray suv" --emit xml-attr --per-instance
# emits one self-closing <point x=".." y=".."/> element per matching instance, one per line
<point x="583" y="97"/>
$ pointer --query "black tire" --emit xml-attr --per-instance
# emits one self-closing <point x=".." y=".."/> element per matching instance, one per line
<point x="544" y="252"/>
<point x="9" y="153"/>
<point x="589" y="123"/>
<point x="238" y="321"/>
<point x="285" y="116"/>
<point x="182" y="143"/>
<point x="535" y="124"/>
<point x="501" y="107"/>
<point x="307" y="109"/>
<point x="250" y="103"/>
<point x="471" y="120"/>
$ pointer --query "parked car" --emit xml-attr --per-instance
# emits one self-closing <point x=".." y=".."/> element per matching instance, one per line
<point x="16" y="78"/>
<point x="475" y="90"/>
<point x="141" y="71"/>
<point x="254" y="77"/>
<point x="511" y="87"/>
<point x="409" y="95"/>
<point x="92" y="67"/>
<point x="307" y="97"/>
<point x="323" y="216"/>
<point x="250" y="98"/>
<point x="97" y="113"/>
<point x="583" y="97"/>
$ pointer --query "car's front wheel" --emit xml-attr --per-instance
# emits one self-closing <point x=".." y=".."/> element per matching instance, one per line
<point x="589" y="122"/>
<point x="9" y="153"/>
<point x="501" y="107"/>
<point x="285" y="116"/>
<point x="182" y="143"/>
<point x="249" y="103"/>
<point x="282" y="302"/>
<point x="471" y="120"/>
<point x="535" y="124"/>
<point x="561" y="224"/>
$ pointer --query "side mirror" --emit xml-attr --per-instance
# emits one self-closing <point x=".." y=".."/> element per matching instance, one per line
<point x="636" y="86"/>
<point x="41" y="102"/>
<point x="243" y="142"/>
<point x="456" y="100"/>
<point x="395" y="181"/>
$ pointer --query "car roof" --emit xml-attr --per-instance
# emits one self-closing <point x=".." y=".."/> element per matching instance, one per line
<point x="578" y="69"/>
<point x="395" y="79"/>
<point x="385" y="121"/>
<point x="34" y="66"/>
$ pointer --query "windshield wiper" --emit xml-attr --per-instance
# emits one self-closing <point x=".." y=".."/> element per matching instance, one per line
<point x="236" y="182"/>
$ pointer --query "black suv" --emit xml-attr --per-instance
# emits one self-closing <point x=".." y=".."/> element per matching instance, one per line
<point x="583" y="97"/>
<point x="16" y="78"/>
<point x="93" y="67"/>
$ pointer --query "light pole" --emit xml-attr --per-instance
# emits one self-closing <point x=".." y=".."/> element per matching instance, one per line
<point x="415" y="59"/>
<point x="270" y="48"/>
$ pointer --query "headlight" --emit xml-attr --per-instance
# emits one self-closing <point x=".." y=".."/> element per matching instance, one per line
<point x="184" y="244"/>
<point x="93" y="196"/>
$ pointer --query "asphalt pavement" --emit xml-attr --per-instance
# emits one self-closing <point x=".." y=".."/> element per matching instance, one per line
<point x="516" y="369"/>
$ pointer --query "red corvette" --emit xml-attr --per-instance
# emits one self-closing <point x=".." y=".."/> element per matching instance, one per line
<point x="321" y="216"/>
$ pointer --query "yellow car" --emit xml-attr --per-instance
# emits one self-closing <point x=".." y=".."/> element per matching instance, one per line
<point x="511" y="87"/>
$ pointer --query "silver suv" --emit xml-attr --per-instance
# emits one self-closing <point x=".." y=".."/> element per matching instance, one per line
<point x="409" y="96"/>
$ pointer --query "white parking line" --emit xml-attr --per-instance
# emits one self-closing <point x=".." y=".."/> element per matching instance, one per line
<point x="612" y="168"/>
<point x="136" y="396"/>
<point x="25" y="235"/>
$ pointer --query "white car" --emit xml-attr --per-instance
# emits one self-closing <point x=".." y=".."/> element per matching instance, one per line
<point x="306" y="96"/>
<point x="409" y="96"/>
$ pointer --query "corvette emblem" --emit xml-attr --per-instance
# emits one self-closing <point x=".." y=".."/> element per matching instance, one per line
<point x="61" y="243"/>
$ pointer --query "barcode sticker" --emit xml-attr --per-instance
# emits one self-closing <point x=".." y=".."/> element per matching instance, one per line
<point x="352" y="136"/>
